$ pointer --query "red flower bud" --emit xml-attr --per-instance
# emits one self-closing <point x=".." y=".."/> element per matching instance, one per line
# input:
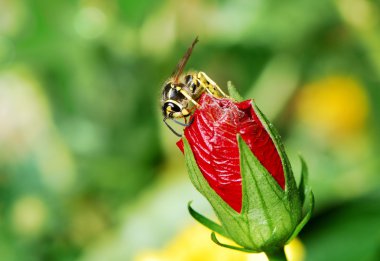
<point x="212" y="138"/>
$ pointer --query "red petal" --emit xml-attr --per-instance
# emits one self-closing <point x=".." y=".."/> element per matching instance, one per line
<point x="261" y="144"/>
<point x="212" y="137"/>
<point x="180" y="145"/>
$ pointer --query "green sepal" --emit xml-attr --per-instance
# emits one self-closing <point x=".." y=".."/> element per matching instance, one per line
<point x="305" y="218"/>
<point x="243" y="249"/>
<point x="304" y="181"/>
<point x="231" y="221"/>
<point x="233" y="92"/>
<point x="291" y="190"/>
<point x="305" y="193"/>
<point x="291" y="186"/>
<point x="265" y="206"/>
<point x="206" y="221"/>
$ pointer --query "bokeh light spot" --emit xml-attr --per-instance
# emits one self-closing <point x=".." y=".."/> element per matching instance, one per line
<point x="29" y="215"/>
<point x="90" y="23"/>
<point x="23" y="113"/>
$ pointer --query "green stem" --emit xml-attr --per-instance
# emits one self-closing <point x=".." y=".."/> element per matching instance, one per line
<point x="278" y="255"/>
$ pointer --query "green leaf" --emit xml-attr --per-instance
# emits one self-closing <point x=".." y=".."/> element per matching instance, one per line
<point x="206" y="222"/>
<point x="234" y="94"/>
<point x="243" y="249"/>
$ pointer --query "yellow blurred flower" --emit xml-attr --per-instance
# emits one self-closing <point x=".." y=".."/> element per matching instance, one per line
<point x="194" y="244"/>
<point x="29" y="215"/>
<point x="333" y="107"/>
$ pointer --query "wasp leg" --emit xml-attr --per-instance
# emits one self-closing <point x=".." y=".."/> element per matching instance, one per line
<point x="170" y="128"/>
<point x="189" y="97"/>
<point x="202" y="75"/>
<point x="210" y="92"/>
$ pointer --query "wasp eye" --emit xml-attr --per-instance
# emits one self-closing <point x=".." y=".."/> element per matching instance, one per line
<point x="174" y="107"/>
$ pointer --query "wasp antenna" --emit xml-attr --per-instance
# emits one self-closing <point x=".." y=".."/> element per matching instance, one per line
<point x="170" y="128"/>
<point x="183" y="124"/>
<point x="182" y="63"/>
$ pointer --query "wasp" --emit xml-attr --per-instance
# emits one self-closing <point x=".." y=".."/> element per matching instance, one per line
<point x="181" y="92"/>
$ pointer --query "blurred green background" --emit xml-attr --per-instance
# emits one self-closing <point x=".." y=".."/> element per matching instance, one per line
<point x="88" y="170"/>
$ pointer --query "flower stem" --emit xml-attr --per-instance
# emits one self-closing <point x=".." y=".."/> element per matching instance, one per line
<point x="278" y="255"/>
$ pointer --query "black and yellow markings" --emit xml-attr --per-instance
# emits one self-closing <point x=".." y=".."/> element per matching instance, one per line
<point x="181" y="93"/>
